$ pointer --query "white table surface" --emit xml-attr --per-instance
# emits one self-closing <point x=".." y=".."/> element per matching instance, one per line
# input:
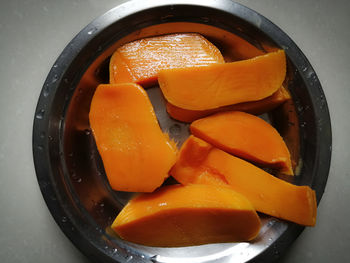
<point x="32" y="35"/>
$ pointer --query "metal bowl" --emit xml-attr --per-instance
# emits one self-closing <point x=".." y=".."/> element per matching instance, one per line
<point x="70" y="172"/>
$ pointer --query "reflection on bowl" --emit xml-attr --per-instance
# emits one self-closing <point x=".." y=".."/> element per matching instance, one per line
<point x="69" y="168"/>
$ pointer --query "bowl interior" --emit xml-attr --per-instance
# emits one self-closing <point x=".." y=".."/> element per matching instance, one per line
<point x="78" y="185"/>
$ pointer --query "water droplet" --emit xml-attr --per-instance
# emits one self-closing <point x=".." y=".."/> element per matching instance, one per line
<point x="92" y="30"/>
<point x="55" y="66"/>
<point x="40" y="147"/>
<point x="50" y="138"/>
<point x="46" y="90"/>
<point x="64" y="219"/>
<point x="42" y="135"/>
<point x="102" y="204"/>
<point x="115" y="250"/>
<point x="305" y="69"/>
<point x="142" y="256"/>
<point x="128" y="258"/>
<point x="76" y="178"/>
<point x="54" y="79"/>
<point x="271" y="223"/>
<point x="40" y="114"/>
<point x="106" y="247"/>
<point x="309" y="74"/>
<point x="303" y="124"/>
<point x="87" y="132"/>
<point x="276" y="253"/>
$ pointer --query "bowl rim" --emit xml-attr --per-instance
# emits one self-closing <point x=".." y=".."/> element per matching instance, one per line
<point x="40" y="142"/>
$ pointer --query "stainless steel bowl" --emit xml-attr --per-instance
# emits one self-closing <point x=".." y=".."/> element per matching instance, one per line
<point x="70" y="172"/>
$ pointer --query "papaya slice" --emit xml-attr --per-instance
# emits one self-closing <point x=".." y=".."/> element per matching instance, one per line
<point x="135" y="152"/>
<point x="199" y="160"/>
<point x="177" y="215"/>
<point x="252" y="107"/>
<point x="217" y="85"/>
<point x="246" y="136"/>
<point x="139" y="61"/>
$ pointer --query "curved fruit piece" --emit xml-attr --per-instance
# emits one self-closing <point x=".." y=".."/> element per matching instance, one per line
<point x="198" y="161"/>
<point x="253" y="107"/>
<point x="139" y="61"/>
<point x="246" y="136"/>
<point x="136" y="154"/>
<point x="204" y="88"/>
<point x="232" y="46"/>
<point x="190" y="215"/>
